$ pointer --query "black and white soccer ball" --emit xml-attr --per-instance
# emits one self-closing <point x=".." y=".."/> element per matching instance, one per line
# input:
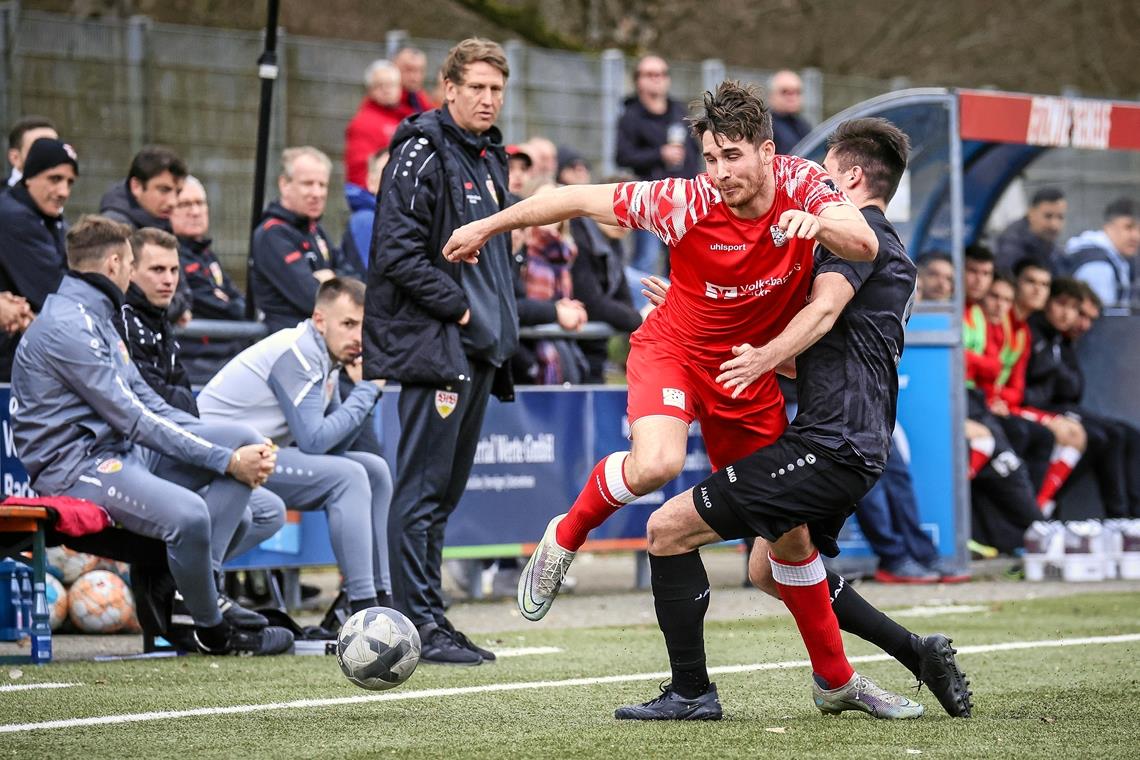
<point x="378" y="648"/>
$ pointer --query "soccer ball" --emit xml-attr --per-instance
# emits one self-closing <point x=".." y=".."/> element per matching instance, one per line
<point x="69" y="565"/>
<point x="378" y="648"/>
<point x="56" y="601"/>
<point x="100" y="602"/>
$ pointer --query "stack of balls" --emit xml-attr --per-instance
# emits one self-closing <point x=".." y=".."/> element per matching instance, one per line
<point x="90" y="592"/>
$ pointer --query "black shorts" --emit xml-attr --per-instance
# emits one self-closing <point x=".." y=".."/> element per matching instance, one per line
<point x="790" y="483"/>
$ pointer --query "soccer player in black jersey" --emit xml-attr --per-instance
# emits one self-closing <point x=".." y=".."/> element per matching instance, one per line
<point x="796" y="493"/>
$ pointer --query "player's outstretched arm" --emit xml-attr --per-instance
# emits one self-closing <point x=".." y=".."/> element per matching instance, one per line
<point x="844" y="232"/>
<point x="594" y="201"/>
<point x="830" y="293"/>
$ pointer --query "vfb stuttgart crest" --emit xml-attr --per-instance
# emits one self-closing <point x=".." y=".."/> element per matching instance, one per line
<point x="445" y="402"/>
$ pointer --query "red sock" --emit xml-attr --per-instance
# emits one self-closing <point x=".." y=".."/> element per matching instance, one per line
<point x="1061" y="466"/>
<point x="605" y="491"/>
<point x="803" y="587"/>
<point x="981" y="451"/>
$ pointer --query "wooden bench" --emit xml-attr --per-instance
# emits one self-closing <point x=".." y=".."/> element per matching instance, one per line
<point x="23" y="529"/>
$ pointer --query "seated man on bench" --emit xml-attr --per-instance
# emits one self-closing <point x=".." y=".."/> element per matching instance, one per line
<point x="86" y="425"/>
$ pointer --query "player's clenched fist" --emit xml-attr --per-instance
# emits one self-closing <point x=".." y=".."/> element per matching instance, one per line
<point x="799" y="224"/>
<point x="253" y="464"/>
<point x="464" y="244"/>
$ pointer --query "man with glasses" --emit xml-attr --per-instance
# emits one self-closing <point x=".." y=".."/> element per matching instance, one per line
<point x="654" y="143"/>
<point x="786" y="97"/>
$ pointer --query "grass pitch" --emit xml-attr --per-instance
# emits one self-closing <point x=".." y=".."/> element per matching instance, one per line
<point x="1081" y="701"/>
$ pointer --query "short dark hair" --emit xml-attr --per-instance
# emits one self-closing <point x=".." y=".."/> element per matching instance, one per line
<point x="877" y="146"/>
<point x="1066" y="287"/>
<point x="736" y="110"/>
<point x="152" y="236"/>
<point x="1088" y="294"/>
<point x="335" y="287"/>
<point x="92" y="238"/>
<point x="1003" y="278"/>
<point x="474" y="50"/>
<point x="153" y="160"/>
<point x="980" y="253"/>
<point x="928" y="258"/>
<point x="25" y="125"/>
<point x="1121" y="207"/>
<point x="1047" y="195"/>
<point x="1029" y="263"/>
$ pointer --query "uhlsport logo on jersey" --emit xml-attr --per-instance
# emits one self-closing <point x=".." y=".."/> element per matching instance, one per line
<point x="728" y="247"/>
<point x="445" y="402"/>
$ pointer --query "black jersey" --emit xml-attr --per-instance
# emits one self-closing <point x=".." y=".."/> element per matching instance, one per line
<point x="848" y="381"/>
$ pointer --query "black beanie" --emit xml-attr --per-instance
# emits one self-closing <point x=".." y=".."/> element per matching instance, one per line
<point x="47" y="153"/>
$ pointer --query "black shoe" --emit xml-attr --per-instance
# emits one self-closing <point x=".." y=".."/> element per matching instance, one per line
<point x="461" y="639"/>
<point x="439" y="648"/>
<point x="338" y="613"/>
<point x="384" y="599"/>
<point x="672" y="706"/>
<point x="269" y="640"/>
<point x="240" y="617"/>
<point x="939" y="670"/>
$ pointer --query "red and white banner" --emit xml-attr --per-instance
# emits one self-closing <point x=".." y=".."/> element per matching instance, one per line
<point x="1049" y="120"/>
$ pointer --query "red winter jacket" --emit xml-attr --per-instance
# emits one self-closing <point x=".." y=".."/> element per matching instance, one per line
<point x="370" y="130"/>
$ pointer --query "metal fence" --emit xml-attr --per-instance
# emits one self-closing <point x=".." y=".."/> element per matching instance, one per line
<point x="113" y="86"/>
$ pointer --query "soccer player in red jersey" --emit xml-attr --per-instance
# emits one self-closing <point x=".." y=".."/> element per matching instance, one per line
<point x="741" y="238"/>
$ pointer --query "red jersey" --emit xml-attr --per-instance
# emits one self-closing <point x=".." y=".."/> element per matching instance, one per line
<point x="733" y="280"/>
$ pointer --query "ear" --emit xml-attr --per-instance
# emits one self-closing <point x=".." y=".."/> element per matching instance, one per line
<point x="281" y="182"/>
<point x="13" y="156"/>
<point x="319" y="320"/>
<point x="857" y="175"/>
<point x="450" y="90"/>
<point x="136" y="185"/>
<point x="767" y="151"/>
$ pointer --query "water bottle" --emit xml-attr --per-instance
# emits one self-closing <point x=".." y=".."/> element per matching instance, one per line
<point x="17" y="604"/>
<point x="26" y="596"/>
<point x="41" y="626"/>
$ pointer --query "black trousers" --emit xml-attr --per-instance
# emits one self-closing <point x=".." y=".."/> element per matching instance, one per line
<point x="439" y="432"/>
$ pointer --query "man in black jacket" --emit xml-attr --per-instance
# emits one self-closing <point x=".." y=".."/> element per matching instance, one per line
<point x="1034" y="236"/>
<point x="214" y="293"/>
<point x="1054" y="382"/>
<point x="445" y="335"/>
<point x="786" y="97"/>
<point x="654" y="143"/>
<point x="20" y="140"/>
<point x="291" y="254"/>
<point x="33" y="255"/>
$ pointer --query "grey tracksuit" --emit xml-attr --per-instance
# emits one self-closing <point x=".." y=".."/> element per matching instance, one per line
<point x="285" y="386"/>
<point x="86" y="424"/>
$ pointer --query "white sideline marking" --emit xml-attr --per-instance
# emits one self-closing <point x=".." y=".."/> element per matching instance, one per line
<point x="392" y="696"/>
<point x="526" y="651"/>
<point x="946" y="609"/>
<point x="30" y="686"/>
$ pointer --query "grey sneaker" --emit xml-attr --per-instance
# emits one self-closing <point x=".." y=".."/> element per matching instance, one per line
<point x="861" y="693"/>
<point x="543" y="574"/>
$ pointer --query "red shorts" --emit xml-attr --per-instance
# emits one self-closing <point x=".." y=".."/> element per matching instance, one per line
<point x="666" y="380"/>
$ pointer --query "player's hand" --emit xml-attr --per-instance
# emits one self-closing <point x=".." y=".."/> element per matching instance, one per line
<point x="465" y="244"/>
<point x="355" y="369"/>
<point x="748" y="365"/>
<point x="655" y="289"/>
<point x="999" y="407"/>
<point x="253" y="464"/>
<point x="465" y="318"/>
<point x="799" y="224"/>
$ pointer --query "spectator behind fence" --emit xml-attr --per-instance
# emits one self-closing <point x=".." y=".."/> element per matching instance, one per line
<point x="1035" y="235"/>
<point x="215" y="295"/>
<point x="33" y="252"/>
<point x="149" y="336"/>
<point x="935" y="277"/>
<point x="20" y="139"/>
<point x="654" y="142"/>
<point x="519" y="166"/>
<point x="88" y="426"/>
<point x="371" y="129"/>
<point x="291" y="255"/>
<point x="445" y="341"/>
<point x="545" y="291"/>
<point x="285" y="386"/>
<point x="357" y="241"/>
<point x="1054" y="382"/>
<point x="598" y="275"/>
<point x="544" y="157"/>
<point x="786" y="98"/>
<point x="412" y="64"/>
<point x="1105" y="258"/>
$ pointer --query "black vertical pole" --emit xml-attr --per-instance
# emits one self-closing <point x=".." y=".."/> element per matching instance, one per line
<point x="267" y="71"/>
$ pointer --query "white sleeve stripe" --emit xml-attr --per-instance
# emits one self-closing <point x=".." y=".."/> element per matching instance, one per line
<point x="301" y="358"/>
<point x="304" y="392"/>
<point x="173" y="427"/>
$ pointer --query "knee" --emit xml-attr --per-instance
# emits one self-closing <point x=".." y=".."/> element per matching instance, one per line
<point x="648" y="470"/>
<point x="659" y="537"/>
<point x="191" y="525"/>
<point x="760" y="574"/>
<point x="267" y="510"/>
<point x="352" y="482"/>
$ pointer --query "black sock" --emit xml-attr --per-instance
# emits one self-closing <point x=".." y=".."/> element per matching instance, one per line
<point x="356" y="605"/>
<point x="856" y="615"/>
<point x="215" y="637"/>
<point x="681" y="598"/>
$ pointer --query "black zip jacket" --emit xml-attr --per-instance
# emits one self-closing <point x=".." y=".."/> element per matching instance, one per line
<point x="1053" y="377"/>
<point x="150" y="340"/>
